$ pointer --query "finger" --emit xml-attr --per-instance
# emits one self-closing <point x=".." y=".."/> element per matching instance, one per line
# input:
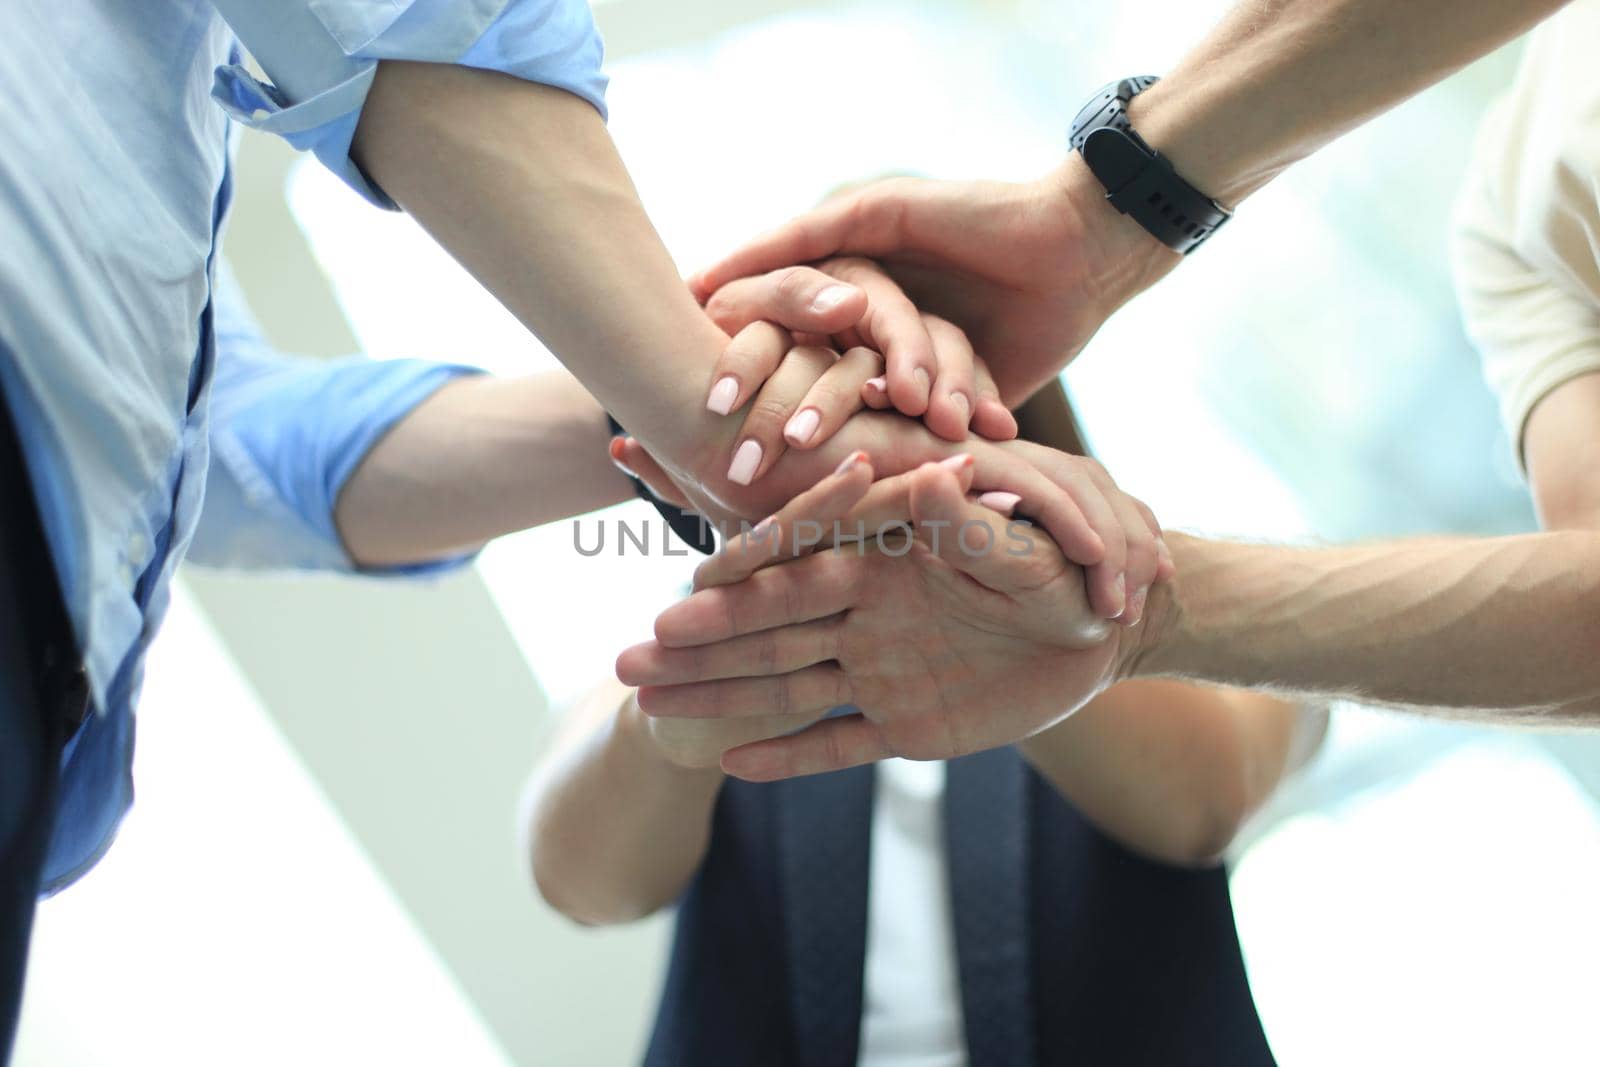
<point x="830" y="745"/>
<point x="796" y="298"/>
<point x="974" y="540"/>
<point x="1041" y="500"/>
<point x="893" y="325"/>
<point x="809" y="690"/>
<point x="1107" y="579"/>
<point x="788" y="532"/>
<point x="875" y="393"/>
<point x="745" y="365"/>
<point x="990" y="417"/>
<point x="951" y="405"/>
<point x="761" y="439"/>
<point x="800" y="591"/>
<point x="628" y="454"/>
<point x="832" y="399"/>
<point x="818" y="233"/>
<point x="776" y="651"/>
<point x="887" y="505"/>
<point x="1165" y="568"/>
<point x="1142" y="560"/>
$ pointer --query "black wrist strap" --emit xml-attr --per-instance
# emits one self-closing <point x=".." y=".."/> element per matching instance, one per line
<point x="1141" y="184"/>
<point x="691" y="528"/>
<point x="1139" y="181"/>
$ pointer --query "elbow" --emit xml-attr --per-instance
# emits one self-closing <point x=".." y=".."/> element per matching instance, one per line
<point x="563" y="887"/>
<point x="1200" y="842"/>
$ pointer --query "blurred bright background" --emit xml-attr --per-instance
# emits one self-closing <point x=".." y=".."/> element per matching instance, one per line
<point x="323" y="868"/>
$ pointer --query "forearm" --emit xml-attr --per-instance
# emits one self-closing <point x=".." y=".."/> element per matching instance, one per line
<point x="522" y="184"/>
<point x="1277" y="79"/>
<point x="615" y="829"/>
<point x="481" y="457"/>
<point x="1173" y="770"/>
<point x="1504" y="629"/>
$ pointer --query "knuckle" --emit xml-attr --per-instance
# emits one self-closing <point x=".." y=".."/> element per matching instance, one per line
<point x="793" y="284"/>
<point x="766" y="413"/>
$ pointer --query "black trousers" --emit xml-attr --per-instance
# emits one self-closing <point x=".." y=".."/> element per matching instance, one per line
<point x="42" y="696"/>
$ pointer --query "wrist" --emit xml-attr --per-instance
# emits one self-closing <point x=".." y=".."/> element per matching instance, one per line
<point x="1185" y="129"/>
<point x="634" y="732"/>
<point x="1155" y="647"/>
<point x="1124" y="258"/>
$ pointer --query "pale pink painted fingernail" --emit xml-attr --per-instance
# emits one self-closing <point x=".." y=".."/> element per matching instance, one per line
<point x="830" y="298"/>
<point x="924" y="383"/>
<point x="963" y="407"/>
<point x="803" y="426"/>
<point x="742" y="470"/>
<point x="848" y="462"/>
<point x="1003" y="502"/>
<point x="759" y="530"/>
<point x="1120" y="588"/>
<point x="723" y="394"/>
<point x="880" y="383"/>
<point x="957" y="463"/>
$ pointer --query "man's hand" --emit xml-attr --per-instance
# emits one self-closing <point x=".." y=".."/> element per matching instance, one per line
<point x="944" y="651"/>
<point x="1029" y="272"/>
<point x="699" y="743"/>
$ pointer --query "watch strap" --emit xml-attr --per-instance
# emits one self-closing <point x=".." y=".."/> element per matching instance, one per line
<point x="690" y="526"/>
<point x="1142" y="184"/>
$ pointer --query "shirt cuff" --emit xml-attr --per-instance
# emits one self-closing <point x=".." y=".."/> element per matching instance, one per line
<point x="322" y="56"/>
<point x="301" y="443"/>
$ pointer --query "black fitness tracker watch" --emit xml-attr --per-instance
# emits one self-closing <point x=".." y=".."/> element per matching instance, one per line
<point x="692" y="529"/>
<point x="1139" y="181"/>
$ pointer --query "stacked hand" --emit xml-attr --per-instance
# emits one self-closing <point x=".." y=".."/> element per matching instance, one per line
<point x="1094" y="524"/>
<point x="1029" y="272"/>
<point x="977" y="633"/>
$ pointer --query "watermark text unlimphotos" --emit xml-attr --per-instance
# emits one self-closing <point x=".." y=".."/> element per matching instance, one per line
<point x="649" y="536"/>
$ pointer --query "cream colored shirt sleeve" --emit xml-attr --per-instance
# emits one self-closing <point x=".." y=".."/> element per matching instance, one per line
<point x="1526" y="243"/>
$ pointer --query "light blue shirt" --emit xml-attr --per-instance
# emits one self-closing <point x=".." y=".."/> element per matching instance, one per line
<point x="119" y="352"/>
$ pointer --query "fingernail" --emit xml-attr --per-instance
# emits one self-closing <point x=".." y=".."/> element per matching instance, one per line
<point x="957" y="462"/>
<point x="880" y="383"/>
<point x="723" y="394"/>
<point x="1135" y="610"/>
<point x="1120" y="589"/>
<point x="1004" y="503"/>
<point x="759" y="530"/>
<point x="924" y="383"/>
<point x="623" y="467"/>
<point x="745" y="461"/>
<point x="849" y="461"/>
<point x="961" y="405"/>
<point x="803" y="426"/>
<point x="830" y="298"/>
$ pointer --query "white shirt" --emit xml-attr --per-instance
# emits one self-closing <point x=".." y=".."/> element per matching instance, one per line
<point x="1526" y="249"/>
<point x="911" y="999"/>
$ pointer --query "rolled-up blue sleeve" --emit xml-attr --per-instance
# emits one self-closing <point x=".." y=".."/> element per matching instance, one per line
<point x="321" y="56"/>
<point x="287" y="432"/>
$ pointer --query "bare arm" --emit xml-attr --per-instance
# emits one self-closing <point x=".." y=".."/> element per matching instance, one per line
<point x="1504" y="629"/>
<point x="481" y="457"/>
<point x="614" y="828"/>
<point x="522" y="184"/>
<point x="619" y="813"/>
<point x="1173" y="770"/>
<point x="1278" y="79"/>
